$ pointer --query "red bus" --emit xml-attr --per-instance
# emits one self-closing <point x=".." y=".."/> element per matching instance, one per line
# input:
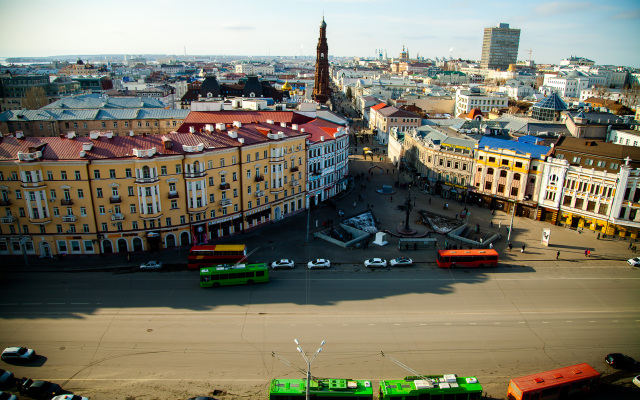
<point x="562" y="383"/>
<point x="206" y="255"/>
<point x="467" y="258"/>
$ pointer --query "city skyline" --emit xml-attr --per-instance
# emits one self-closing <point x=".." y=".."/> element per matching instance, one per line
<point x="553" y="30"/>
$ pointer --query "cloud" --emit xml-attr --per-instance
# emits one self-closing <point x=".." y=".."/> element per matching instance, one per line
<point x="238" y="28"/>
<point x="561" y="7"/>
<point x="633" y="14"/>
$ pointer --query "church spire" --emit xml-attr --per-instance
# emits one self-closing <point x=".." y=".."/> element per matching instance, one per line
<point x="321" y="85"/>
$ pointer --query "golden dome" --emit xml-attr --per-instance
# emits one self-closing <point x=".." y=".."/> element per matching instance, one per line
<point x="286" y="86"/>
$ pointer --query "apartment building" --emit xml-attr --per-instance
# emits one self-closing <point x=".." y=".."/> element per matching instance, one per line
<point x="383" y="118"/>
<point x="593" y="185"/>
<point x="443" y="161"/>
<point x="466" y="100"/>
<point x="500" y="47"/>
<point x="220" y="174"/>
<point x="14" y="89"/>
<point x="508" y="173"/>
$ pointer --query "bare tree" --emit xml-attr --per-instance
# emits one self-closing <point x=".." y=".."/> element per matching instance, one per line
<point x="34" y="98"/>
<point x="631" y="95"/>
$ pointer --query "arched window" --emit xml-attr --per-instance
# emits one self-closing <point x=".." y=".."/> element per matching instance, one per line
<point x="196" y="167"/>
<point x="503" y="174"/>
<point x="146" y="172"/>
<point x="490" y="171"/>
<point x="516" y="177"/>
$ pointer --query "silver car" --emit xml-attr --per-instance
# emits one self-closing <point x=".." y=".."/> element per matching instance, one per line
<point x="17" y="354"/>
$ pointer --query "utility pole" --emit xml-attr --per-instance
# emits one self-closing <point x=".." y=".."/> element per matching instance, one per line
<point x="309" y="361"/>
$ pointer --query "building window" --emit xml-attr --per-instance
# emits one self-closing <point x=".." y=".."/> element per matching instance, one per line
<point x="96" y="174"/>
<point x="178" y="169"/>
<point x="163" y="170"/>
<point x="77" y="174"/>
<point x="63" y="175"/>
<point x="99" y="192"/>
<point x="174" y="204"/>
<point x="105" y="227"/>
<point x="132" y="208"/>
<point x="112" y="173"/>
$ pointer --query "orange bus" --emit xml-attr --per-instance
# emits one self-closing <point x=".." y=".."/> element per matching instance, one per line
<point x="467" y="258"/>
<point x="562" y="383"/>
<point x="206" y="255"/>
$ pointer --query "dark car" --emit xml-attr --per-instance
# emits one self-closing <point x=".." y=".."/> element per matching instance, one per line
<point x="620" y="361"/>
<point x="201" y="398"/>
<point x="7" y="396"/>
<point x="6" y="378"/>
<point x="40" y="389"/>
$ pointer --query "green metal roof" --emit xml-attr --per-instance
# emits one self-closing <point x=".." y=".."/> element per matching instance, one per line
<point x="433" y="385"/>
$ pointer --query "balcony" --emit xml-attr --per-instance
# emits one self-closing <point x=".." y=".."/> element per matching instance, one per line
<point x="225" y="202"/>
<point x="294" y="183"/>
<point x="115" y="199"/>
<point x="195" y="174"/>
<point x="173" y="194"/>
<point x="5" y="202"/>
<point x="259" y="193"/>
<point x="9" y="219"/>
<point x="259" y="178"/>
<point x="117" y="217"/>
<point x="66" y="202"/>
<point x="32" y="185"/>
<point x="69" y="218"/>
<point x="294" y="169"/>
<point x="40" y="221"/>
<point x="316" y="172"/>
<point x="225" y="186"/>
<point x="149" y="179"/>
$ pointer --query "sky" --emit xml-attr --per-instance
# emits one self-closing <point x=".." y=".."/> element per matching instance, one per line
<point x="605" y="32"/>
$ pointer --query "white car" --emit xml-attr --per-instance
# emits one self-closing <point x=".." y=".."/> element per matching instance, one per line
<point x="284" y="263"/>
<point x="375" y="263"/>
<point x="17" y="354"/>
<point x="70" y="397"/>
<point x="151" y="265"/>
<point x="634" y="262"/>
<point x="319" y="263"/>
<point x="401" y="262"/>
<point x="636" y="380"/>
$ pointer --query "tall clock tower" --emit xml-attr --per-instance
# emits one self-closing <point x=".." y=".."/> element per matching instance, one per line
<point x="321" y="91"/>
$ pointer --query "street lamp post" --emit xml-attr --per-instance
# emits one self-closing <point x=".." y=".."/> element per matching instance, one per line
<point x="308" y="217"/>
<point x="309" y="361"/>
<point x="513" y="211"/>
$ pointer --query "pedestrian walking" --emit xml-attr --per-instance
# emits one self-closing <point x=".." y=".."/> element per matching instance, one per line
<point x="509" y="246"/>
<point x="391" y="199"/>
<point x="630" y="246"/>
<point x="586" y="252"/>
<point x="500" y="225"/>
<point x="491" y="224"/>
<point x="598" y="235"/>
<point x="456" y="216"/>
<point x="491" y="245"/>
<point x="522" y="250"/>
<point x="558" y="255"/>
<point x="354" y="204"/>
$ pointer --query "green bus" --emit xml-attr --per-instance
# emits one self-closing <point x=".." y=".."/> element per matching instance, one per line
<point x="333" y="389"/>
<point x="431" y="387"/>
<point x="223" y="275"/>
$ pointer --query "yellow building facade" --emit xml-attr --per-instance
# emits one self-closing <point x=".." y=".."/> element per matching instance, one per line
<point x="113" y="194"/>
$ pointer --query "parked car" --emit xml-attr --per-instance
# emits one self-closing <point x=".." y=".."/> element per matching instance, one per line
<point x="70" y="397"/>
<point x="636" y="380"/>
<point x="319" y="263"/>
<point x="284" y="263"/>
<point x="40" y="389"/>
<point x="401" y="262"/>
<point x="7" y="396"/>
<point x="18" y="354"/>
<point x="620" y="361"/>
<point x="201" y="398"/>
<point x="634" y="262"/>
<point x="151" y="265"/>
<point x="6" y="378"/>
<point x="375" y="263"/>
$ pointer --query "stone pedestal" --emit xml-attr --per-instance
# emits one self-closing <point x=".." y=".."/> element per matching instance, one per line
<point x="381" y="239"/>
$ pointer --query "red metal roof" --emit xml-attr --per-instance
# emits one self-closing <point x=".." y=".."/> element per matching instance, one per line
<point x="555" y="377"/>
<point x="378" y="106"/>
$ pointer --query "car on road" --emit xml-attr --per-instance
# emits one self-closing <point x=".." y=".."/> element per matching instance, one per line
<point x="70" y="397"/>
<point x="319" y="263"/>
<point x="7" y="396"/>
<point x="6" y="378"/>
<point x="620" y="361"/>
<point x="150" y="265"/>
<point x="401" y="262"/>
<point x="18" y="354"/>
<point x="40" y="389"/>
<point x="634" y="262"/>
<point x="636" y="380"/>
<point x="281" y="264"/>
<point x="375" y="263"/>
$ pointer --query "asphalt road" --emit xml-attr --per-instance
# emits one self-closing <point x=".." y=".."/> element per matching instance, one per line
<point x="158" y="335"/>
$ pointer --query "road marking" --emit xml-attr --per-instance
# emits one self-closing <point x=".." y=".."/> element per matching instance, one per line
<point x="31" y="304"/>
<point x="472" y="323"/>
<point x="9" y="304"/>
<point x="371" y="324"/>
<point x="447" y="323"/>
<point x="592" y="321"/>
<point x="522" y="322"/>
<point x="56" y="303"/>
<point x="396" y="324"/>
<point x="423" y="324"/>
<point x="496" y="323"/>
<point x="544" y="322"/>
<point x="568" y="322"/>
<point x="77" y="304"/>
